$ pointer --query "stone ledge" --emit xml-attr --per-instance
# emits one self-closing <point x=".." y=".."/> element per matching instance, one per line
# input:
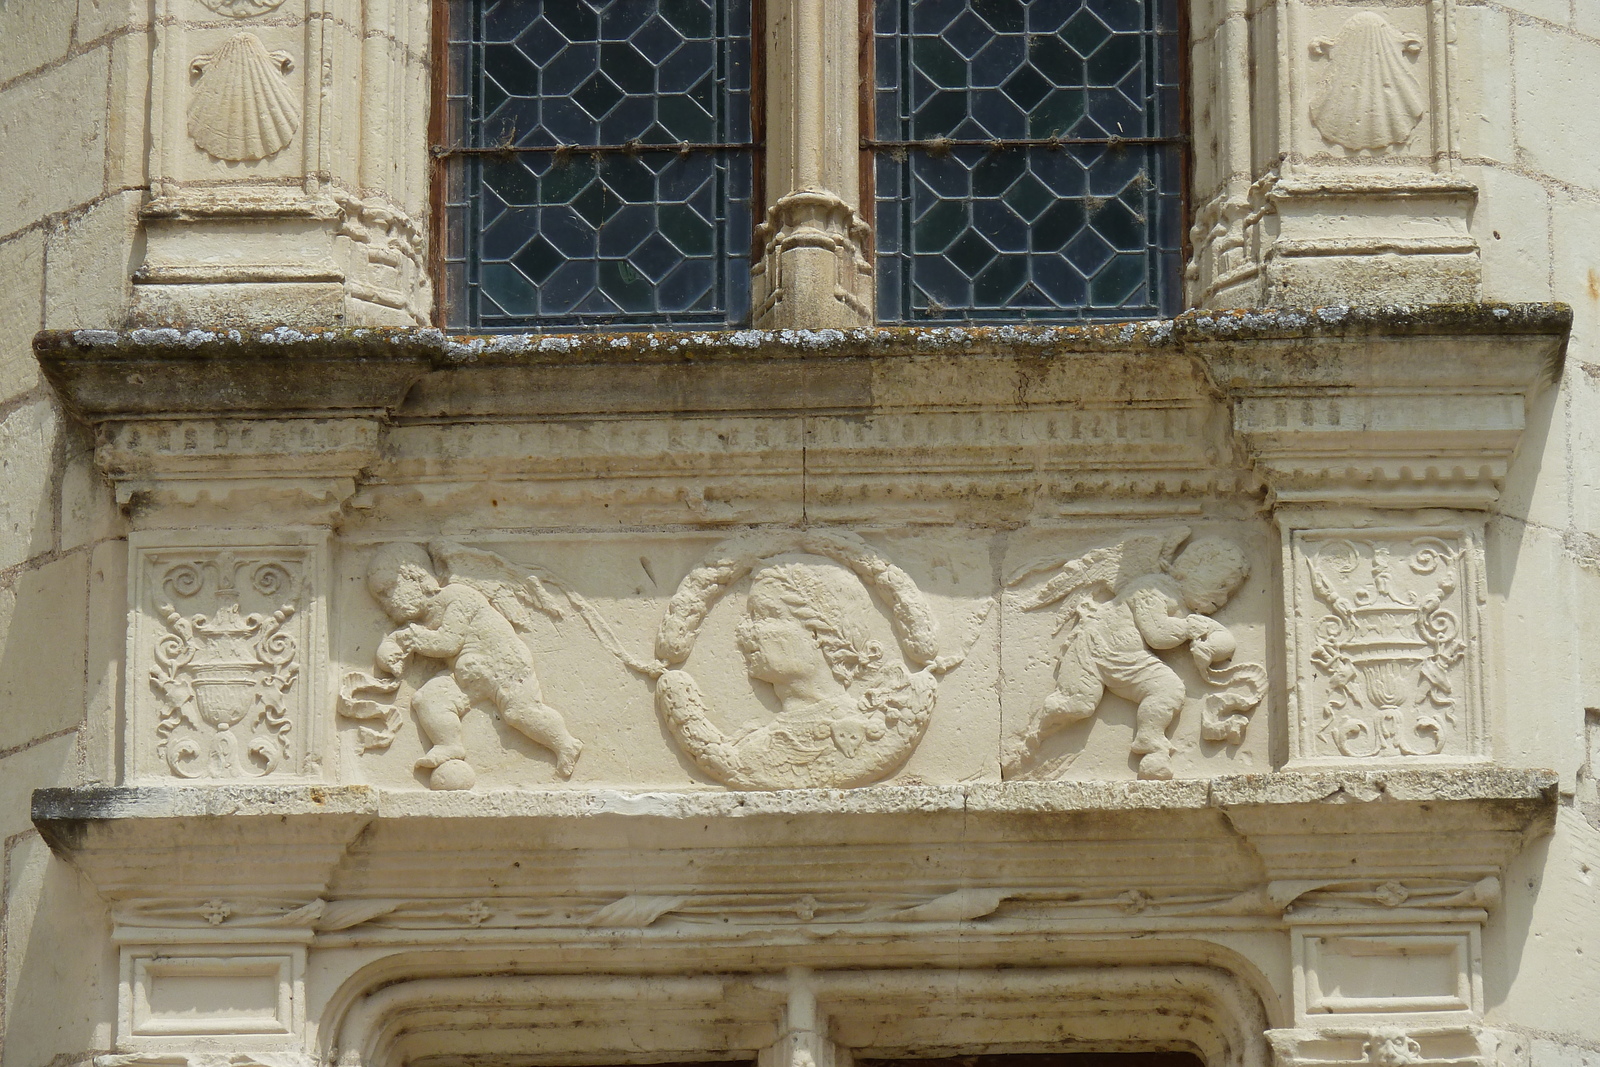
<point x="191" y="371"/>
<point x="1467" y="784"/>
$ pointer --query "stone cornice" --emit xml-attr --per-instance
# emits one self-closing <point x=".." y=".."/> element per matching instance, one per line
<point x="1385" y="407"/>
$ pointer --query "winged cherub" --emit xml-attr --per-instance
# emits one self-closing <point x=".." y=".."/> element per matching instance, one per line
<point x="470" y="622"/>
<point x="1119" y="603"/>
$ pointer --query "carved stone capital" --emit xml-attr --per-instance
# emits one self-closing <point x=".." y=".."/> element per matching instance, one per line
<point x="813" y="270"/>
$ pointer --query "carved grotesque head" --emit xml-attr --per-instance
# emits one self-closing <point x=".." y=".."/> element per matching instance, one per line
<point x="400" y="578"/>
<point x="1392" y="1048"/>
<point x="1209" y="572"/>
<point x="807" y="618"/>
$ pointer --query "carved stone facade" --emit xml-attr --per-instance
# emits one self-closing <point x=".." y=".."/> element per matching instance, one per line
<point x="374" y="696"/>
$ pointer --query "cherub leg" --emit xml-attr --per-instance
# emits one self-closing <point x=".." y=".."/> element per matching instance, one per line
<point x="1160" y="694"/>
<point x="439" y="705"/>
<point x="1076" y="696"/>
<point x="523" y="707"/>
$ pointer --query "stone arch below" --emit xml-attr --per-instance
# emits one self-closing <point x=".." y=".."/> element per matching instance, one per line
<point x="787" y="1018"/>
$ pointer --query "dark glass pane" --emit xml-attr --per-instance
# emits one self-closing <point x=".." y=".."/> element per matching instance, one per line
<point x="611" y="237"/>
<point x="1005" y="231"/>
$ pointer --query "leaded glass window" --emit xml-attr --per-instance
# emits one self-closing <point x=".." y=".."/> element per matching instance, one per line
<point x="1027" y="159"/>
<point x="599" y="162"/>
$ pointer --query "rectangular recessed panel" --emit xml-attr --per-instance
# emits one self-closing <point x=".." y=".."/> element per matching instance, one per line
<point x="211" y="995"/>
<point x="1394" y="972"/>
<point x="1029" y="159"/>
<point x="607" y="231"/>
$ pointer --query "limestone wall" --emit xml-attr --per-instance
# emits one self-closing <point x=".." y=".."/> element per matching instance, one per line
<point x="70" y="188"/>
<point x="1533" y="148"/>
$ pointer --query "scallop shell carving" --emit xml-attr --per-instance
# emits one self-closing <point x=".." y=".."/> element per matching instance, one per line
<point x="1370" y="98"/>
<point x="243" y="108"/>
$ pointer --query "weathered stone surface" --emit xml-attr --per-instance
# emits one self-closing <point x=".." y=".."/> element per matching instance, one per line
<point x="54" y="127"/>
<point x="22" y="265"/>
<point x="41" y="660"/>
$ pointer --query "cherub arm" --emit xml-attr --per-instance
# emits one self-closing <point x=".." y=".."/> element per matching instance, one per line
<point x="1160" y="618"/>
<point x="442" y="641"/>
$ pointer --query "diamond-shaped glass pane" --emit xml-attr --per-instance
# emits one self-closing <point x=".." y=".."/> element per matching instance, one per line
<point x="1083" y="228"/>
<point x="628" y="233"/>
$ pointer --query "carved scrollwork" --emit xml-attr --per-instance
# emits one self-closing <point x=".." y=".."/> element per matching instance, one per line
<point x="242" y="9"/>
<point x="850" y="715"/>
<point x="1391" y="648"/>
<point x="224" y="677"/>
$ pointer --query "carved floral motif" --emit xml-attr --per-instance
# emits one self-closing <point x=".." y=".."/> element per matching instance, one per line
<point x="243" y="108"/>
<point x="1391" y="650"/>
<point x="1370" y="99"/>
<point x="1118" y="604"/>
<point x="223" y="677"/>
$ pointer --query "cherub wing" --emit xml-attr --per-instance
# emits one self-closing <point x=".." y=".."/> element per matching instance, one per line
<point x="1111" y="566"/>
<point x="513" y="590"/>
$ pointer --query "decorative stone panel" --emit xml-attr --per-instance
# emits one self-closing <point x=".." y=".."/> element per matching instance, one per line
<point x="1387" y="643"/>
<point x="1327" y="164"/>
<point x="224" y="655"/>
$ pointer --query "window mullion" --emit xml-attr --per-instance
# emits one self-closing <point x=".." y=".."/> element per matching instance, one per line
<point x="812" y="271"/>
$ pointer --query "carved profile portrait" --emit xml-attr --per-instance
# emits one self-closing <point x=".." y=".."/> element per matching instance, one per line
<point x="851" y="710"/>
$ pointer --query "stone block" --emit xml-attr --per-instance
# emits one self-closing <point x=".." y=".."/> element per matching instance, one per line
<point x="22" y="267"/>
<point x="1512" y="225"/>
<point x="88" y="265"/>
<point x="28" y="436"/>
<point x="1537" y="594"/>
<point x="42" y="653"/>
<point x="1555" y="137"/>
<point x="60" y="978"/>
<point x="1555" y="11"/>
<point x="35" y="35"/>
<point x="99" y="18"/>
<point x="1575" y="270"/>
<point x="127" y="118"/>
<point x="54" y="130"/>
<point x="1483" y="106"/>
<point x="88" y="507"/>
<point x="107" y="641"/>
<point x="49" y="763"/>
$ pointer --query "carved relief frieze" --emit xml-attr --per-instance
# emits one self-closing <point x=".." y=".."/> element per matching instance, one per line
<point x="821" y="673"/>
<point x="242" y="9"/>
<point x="1386" y="644"/>
<point x="1370" y="99"/>
<point x="221" y="662"/>
<point x="851" y="710"/>
<point x="1117" y="606"/>
<point x="462" y="609"/>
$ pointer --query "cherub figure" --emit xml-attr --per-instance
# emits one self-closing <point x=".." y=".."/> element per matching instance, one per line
<point x="469" y="622"/>
<point x="1121" y="602"/>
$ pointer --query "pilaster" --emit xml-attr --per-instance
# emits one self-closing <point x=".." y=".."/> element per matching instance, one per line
<point x="288" y="173"/>
<point x="1329" y="169"/>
